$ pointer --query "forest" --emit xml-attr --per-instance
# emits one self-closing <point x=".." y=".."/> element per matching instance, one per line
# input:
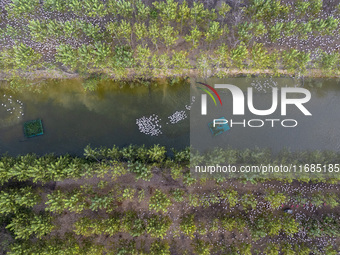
<point x="145" y="200"/>
<point x="134" y="39"/>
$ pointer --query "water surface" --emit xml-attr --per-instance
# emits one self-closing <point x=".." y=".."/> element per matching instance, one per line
<point x="73" y="118"/>
<point x="321" y="131"/>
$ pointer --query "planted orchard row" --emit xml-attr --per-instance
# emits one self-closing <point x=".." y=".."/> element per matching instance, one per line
<point x="78" y="200"/>
<point x="87" y="247"/>
<point x="147" y="64"/>
<point x="156" y="34"/>
<point x="167" y="11"/>
<point x="157" y="226"/>
<point x="52" y="168"/>
<point x="141" y="161"/>
<point x="71" y="245"/>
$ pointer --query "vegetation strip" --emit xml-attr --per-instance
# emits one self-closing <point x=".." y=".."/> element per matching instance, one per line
<point x="134" y="40"/>
<point x="142" y="201"/>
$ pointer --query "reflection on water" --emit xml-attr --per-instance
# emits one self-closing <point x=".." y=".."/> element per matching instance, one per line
<point x="73" y="118"/>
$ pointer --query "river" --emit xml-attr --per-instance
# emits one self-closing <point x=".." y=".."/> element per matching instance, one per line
<point x="73" y="118"/>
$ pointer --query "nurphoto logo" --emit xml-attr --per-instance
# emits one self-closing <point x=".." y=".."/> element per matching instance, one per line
<point x="238" y="105"/>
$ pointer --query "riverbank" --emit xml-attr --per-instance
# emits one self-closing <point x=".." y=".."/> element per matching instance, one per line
<point x="192" y="73"/>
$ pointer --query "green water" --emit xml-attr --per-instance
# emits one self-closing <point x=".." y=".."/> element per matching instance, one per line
<point x="73" y="118"/>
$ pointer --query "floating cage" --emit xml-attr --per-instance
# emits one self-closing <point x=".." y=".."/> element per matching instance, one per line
<point x="219" y="128"/>
<point x="33" y="128"/>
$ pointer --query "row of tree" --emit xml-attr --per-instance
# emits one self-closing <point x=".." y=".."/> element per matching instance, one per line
<point x="98" y="162"/>
<point x="158" y="247"/>
<point x="147" y="64"/>
<point x="15" y="200"/>
<point x="168" y="11"/>
<point x="85" y="246"/>
<point x="43" y="30"/>
<point x="249" y="31"/>
<point x="140" y="160"/>
<point x="157" y="226"/>
<point x="268" y="10"/>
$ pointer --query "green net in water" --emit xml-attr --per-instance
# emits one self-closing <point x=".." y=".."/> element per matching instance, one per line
<point x="33" y="128"/>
